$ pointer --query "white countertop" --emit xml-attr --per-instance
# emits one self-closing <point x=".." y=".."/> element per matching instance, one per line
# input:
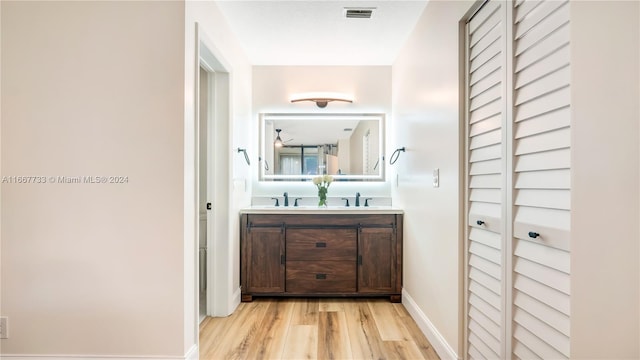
<point x="270" y="209"/>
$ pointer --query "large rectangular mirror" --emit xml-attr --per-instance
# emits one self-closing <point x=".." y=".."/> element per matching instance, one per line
<point x="301" y="146"/>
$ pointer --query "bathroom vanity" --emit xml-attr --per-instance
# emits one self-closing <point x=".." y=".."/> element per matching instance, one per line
<point x="345" y="252"/>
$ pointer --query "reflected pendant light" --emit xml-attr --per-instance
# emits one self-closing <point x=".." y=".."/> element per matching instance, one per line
<point x="278" y="141"/>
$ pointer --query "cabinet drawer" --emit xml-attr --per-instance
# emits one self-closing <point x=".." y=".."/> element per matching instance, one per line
<point x="321" y="244"/>
<point x="320" y="276"/>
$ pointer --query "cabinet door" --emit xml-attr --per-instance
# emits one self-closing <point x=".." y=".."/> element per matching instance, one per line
<point x="265" y="260"/>
<point x="376" y="260"/>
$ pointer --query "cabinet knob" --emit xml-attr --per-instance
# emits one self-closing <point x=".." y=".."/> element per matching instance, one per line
<point x="480" y="222"/>
<point x="533" y="235"/>
<point x="321" y="276"/>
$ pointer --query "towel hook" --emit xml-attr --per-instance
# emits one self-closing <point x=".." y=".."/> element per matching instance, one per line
<point x="396" y="155"/>
<point x="246" y="157"/>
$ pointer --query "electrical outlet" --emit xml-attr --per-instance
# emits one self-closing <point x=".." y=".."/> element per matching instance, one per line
<point x="4" y="327"/>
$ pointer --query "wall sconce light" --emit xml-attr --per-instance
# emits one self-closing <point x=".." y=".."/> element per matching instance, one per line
<point x="321" y="99"/>
<point x="278" y="141"/>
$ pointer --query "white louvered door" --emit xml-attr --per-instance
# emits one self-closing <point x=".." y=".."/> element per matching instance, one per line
<point x="486" y="182"/>
<point x="541" y="223"/>
<point x="518" y="183"/>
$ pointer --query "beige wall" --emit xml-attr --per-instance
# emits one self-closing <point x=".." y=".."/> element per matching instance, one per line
<point x="93" y="88"/>
<point x="108" y="88"/>
<point x="426" y="122"/>
<point x="604" y="210"/>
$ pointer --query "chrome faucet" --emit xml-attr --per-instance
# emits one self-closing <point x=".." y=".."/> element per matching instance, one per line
<point x="286" y="199"/>
<point x="357" y="199"/>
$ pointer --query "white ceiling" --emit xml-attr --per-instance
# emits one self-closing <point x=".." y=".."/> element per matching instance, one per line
<point x="305" y="32"/>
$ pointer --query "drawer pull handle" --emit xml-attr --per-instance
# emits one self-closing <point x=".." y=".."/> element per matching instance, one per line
<point x="533" y="234"/>
<point x="321" y="245"/>
<point x="321" y="276"/>
<point x="480" y="222"/>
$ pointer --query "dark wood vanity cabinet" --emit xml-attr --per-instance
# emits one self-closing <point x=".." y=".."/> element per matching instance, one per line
<point x="321" y="255"/>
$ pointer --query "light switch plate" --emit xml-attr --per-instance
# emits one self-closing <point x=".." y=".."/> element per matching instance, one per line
<point x="436" y="178"/>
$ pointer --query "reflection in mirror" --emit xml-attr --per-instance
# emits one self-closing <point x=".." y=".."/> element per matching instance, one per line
<point x="300" y="146"/>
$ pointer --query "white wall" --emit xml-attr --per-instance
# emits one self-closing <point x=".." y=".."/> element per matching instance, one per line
<point x="426" y="121"/>
<point x="93" y="88"/>
<point x="604" y="210"/>
<point x="273" y="87"/>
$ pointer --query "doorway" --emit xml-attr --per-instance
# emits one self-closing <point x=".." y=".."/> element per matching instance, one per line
<point x="203" y="196"/>
<point x="212" y="129"/>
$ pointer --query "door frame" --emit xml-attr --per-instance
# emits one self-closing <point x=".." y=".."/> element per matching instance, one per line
<point x="218" y="108"/>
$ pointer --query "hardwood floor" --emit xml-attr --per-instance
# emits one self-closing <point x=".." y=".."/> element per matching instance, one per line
<point x="310" y="328"/>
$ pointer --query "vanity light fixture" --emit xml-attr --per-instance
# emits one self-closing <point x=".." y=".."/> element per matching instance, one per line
<point x="321" y="99"/>
<point x="278" y="141"/>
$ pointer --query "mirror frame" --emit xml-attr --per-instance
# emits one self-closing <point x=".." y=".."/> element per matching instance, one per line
<point x="263" y="117"/>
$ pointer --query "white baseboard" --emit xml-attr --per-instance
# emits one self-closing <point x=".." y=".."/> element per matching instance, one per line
<point x="235" y="300"/>
<point x="192" y="354"/>
<point x="440" y="345"/>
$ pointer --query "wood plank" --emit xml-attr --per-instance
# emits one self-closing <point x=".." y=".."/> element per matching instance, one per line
<point x="328" y="304"/>
<point x="240" y="330"/>
<point x="402" y="350"/>
<point x="305" y="311"/>
<point x="272" y="332"/>
<point x="418" y="338"/>
<point x="389" y="326"/>
<point x="363" y="332"/>
<point x="333" y="336"/>
<point x="301" y="342"/>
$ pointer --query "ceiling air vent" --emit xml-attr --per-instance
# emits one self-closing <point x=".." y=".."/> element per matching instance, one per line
<point x="358" y="13"/>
